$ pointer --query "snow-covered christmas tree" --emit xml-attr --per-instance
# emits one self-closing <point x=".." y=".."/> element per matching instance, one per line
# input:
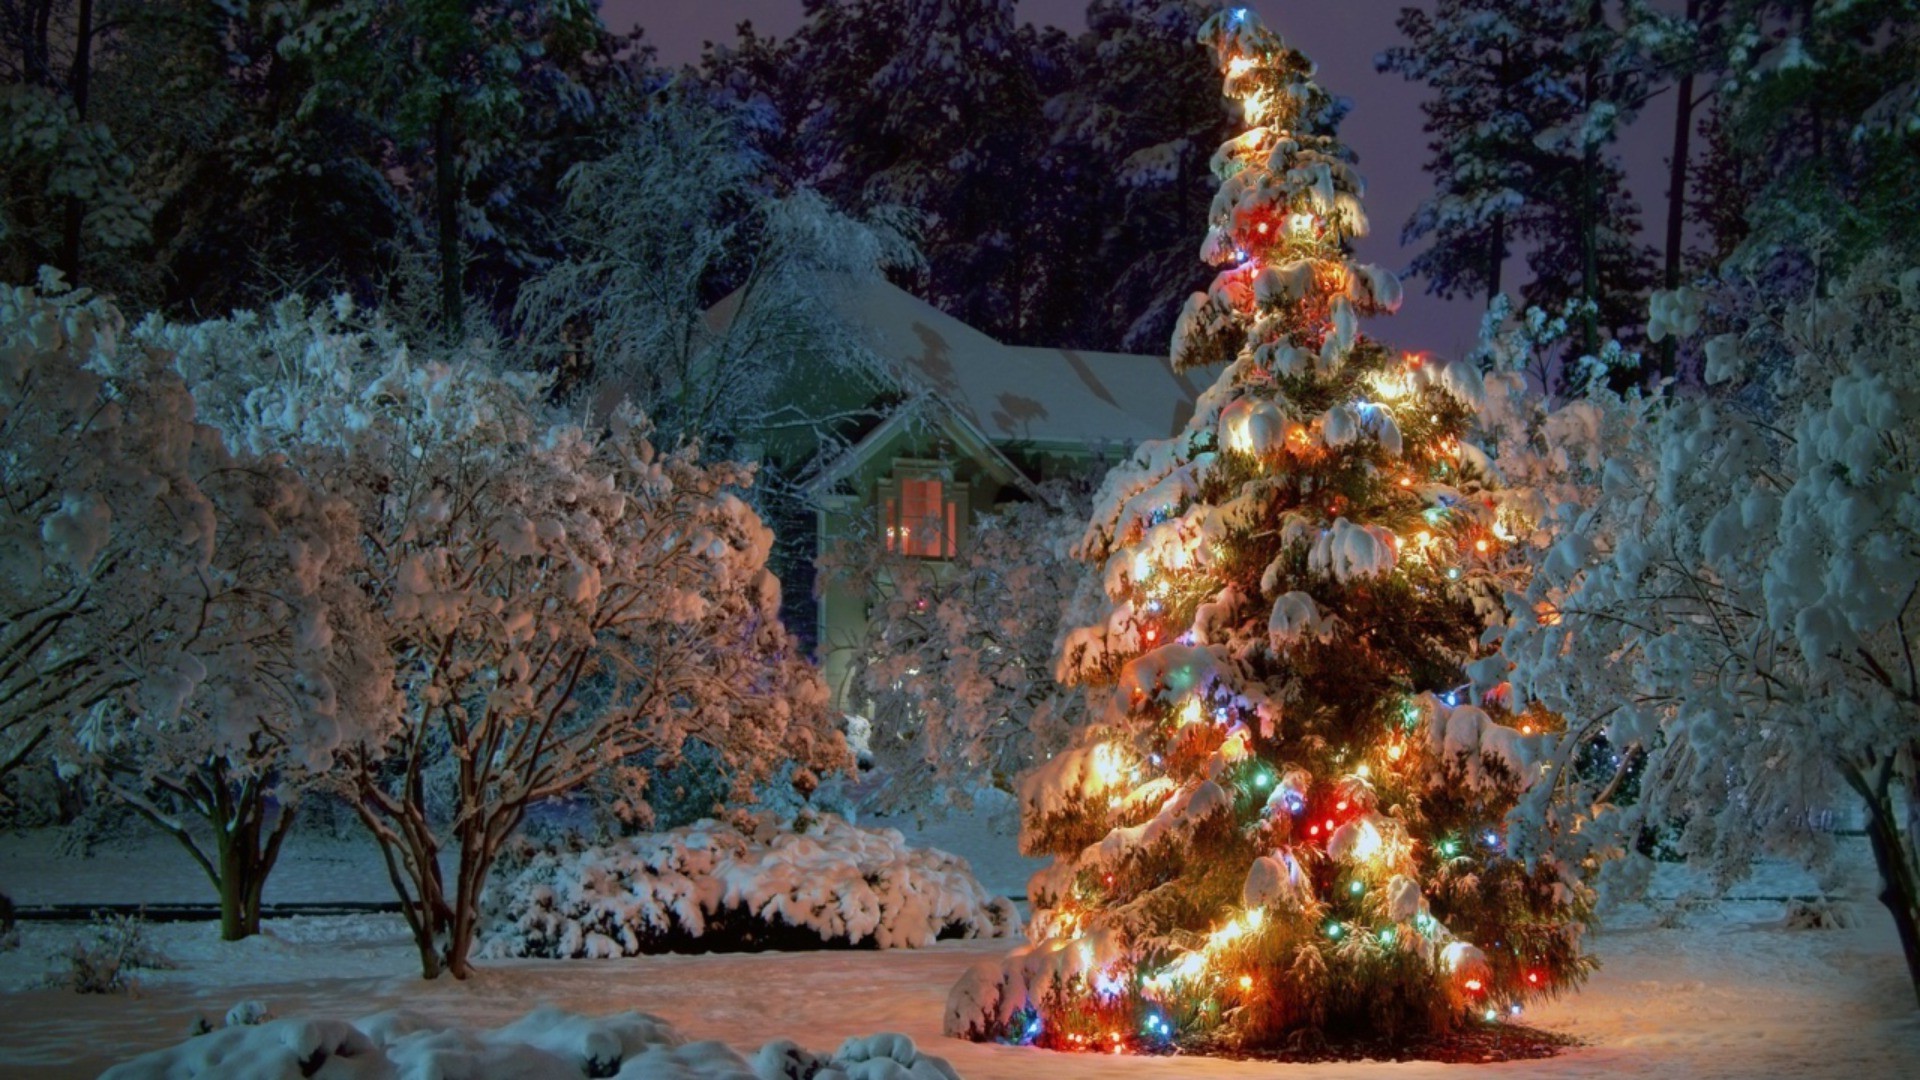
<point x="1286" y="825"/>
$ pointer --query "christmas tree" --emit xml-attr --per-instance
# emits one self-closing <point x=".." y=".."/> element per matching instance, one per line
<point x="1286" y="826"/>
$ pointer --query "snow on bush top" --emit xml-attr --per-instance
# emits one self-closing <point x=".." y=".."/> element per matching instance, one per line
<point x="547" y="1042"/>
<point x="711" y="886"/>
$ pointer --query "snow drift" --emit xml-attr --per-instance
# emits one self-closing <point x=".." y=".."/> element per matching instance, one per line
<point x="545" y="1043"/>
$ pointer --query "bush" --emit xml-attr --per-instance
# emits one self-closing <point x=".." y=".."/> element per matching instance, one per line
<point x="104" y="962"/>
<point x="805" y="884"/>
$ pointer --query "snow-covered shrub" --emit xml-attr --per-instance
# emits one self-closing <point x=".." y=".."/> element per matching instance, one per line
<point x="567" y="606"/>
<point x="549" y="1043"/>
<point x="105" y="960"/>
<point x="101" y="523"/>
<point x="1732" y="604"/>
<point x="180" y="627"/>
<point x="1818" y="914"/>
<point x="710" y="887"/>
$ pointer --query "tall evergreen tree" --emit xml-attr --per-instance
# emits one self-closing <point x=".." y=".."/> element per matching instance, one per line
<point x="67" y="185"/>
<point x="1284" y="825"/>
<point x="459" y="85"/>
<point x="1131" y="135"/>
<point x="1527" y="100"/>
<point x="1026" y="233"/>
<point x="1492" y="66"/>
<point x="1824" y="111"/>
<point x="933" y="105"/>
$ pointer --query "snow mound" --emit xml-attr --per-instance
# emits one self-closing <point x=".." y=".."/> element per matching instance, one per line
<point x="709" y="887"/>
<point x="548" y="1043"/>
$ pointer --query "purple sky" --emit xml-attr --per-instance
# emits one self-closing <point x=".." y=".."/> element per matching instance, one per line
<point x="1342" y="37"/>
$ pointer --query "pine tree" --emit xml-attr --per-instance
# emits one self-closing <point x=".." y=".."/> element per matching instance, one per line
<point x="1491" y="65"/>
<point x="1527" y="99"/>
<point x="1131" y="135"/>
<point x="1280" y="828"/>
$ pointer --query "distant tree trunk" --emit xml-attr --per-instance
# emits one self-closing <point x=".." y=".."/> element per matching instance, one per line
<point x="1677" y="191"/>
<point x="1590" y="197"/>
<point x="446" y="182"/>
<point x="76" y="211"/>
<point x="1496" y="255"/>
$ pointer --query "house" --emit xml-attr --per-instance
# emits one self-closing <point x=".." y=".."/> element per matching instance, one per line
<point x="978" y="424"/>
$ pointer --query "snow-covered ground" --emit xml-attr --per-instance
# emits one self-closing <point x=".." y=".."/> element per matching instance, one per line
<point x="1729" y="993"/>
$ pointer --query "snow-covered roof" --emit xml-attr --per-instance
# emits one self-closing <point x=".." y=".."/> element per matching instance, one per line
<point x="1015" y="393"/>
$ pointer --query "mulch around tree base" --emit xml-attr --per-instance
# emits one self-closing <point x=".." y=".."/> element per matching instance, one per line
<point x="1467" y="1046"/>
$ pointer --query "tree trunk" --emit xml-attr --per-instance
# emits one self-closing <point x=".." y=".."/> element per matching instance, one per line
<point x="1899" y="885"/>
<point x="466" y="899"/>
<point x="232" y="886"/>
<point x="480" y="844"/>
<point x="244" y="858"/>
<point x="407" y="847"/>
<point x="1496" y="255"/>
<point x="1677" y="192"/>
<point x="1896" y="885"/>
<point x="1590" y="199"/>
<point x="77" y="84"/>
<point x="447" y="198"/>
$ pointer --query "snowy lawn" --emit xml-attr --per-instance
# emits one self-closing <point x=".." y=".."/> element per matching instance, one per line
<point x="1730" y="993"/>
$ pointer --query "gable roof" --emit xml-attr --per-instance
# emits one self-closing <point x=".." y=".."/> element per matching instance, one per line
<point x="1018" y="393"/>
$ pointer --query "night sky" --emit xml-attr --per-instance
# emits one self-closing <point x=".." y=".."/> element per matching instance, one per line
<point x="1342" y="36"/>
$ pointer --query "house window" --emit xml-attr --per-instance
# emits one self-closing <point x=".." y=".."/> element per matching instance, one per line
<point x="921" y="517"/>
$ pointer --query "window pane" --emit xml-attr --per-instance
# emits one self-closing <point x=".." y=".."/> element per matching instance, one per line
<point x="923" y="526"/>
